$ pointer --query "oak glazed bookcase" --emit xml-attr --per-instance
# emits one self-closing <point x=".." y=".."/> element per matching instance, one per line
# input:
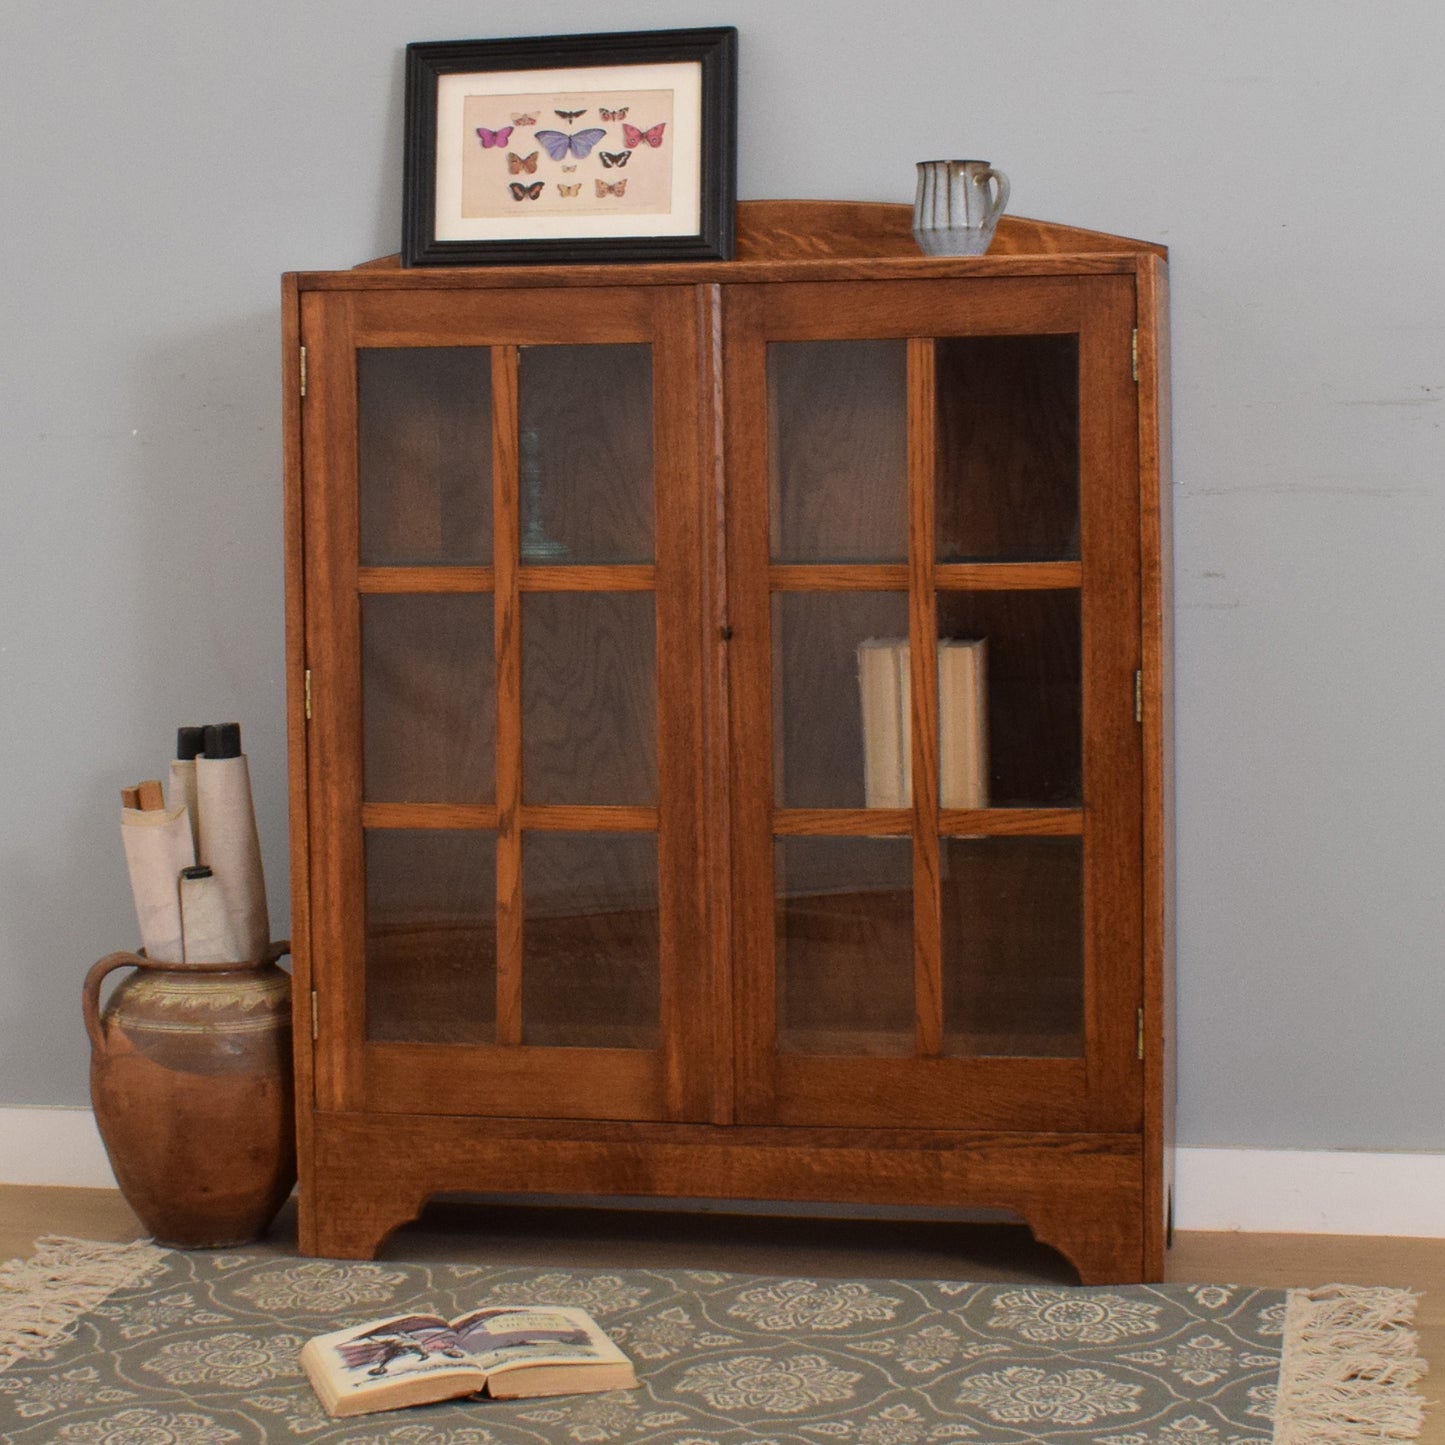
<point x="588" y="896"/>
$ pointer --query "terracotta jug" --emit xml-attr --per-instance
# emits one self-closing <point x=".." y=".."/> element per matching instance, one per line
<point x="190" y="1076"/>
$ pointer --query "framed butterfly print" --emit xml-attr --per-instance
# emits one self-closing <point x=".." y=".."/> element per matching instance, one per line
<point x="564" y="148"/>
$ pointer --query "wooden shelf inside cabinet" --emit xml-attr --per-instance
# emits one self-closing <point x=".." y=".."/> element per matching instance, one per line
<point x="729" y="729"/>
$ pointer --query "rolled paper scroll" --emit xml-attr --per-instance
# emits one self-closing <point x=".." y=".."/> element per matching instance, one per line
<point x="205" y="924"/>
<point x="158" y="846"/>
<point x="229" y="843"/>
<point x="190" y="742"/>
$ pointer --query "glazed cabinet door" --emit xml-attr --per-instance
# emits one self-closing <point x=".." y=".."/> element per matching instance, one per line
<point x="503" y="526"/>
<point x="933" y="554"/>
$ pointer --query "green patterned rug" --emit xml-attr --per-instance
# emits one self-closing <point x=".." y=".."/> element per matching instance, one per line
<point x="135" y="1345"/>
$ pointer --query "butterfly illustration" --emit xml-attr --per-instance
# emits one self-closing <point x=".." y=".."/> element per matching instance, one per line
<point x="522" y="165"/>
<point x="526" y="193"/>
<point x="615" y="114"/>
<point x="632" y="137"/>
<point x="569" y="115"/>
<point x="568" y="168"/>
<point x="569" y="190"/>
<point x="524" y="119"/>
<point x="580" y="144"/>
<point x="490" y="138"/>
<point x="603" y="189"/>
<point x="614" y="158"/>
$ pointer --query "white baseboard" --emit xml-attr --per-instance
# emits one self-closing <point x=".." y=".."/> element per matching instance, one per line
<point x="1259" y="1191"/>
<point x="53" y="1146"/>
<point x="1296" y="1191"/>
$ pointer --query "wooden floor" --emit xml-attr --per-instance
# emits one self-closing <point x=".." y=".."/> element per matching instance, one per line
<point x="859" y="1248"/>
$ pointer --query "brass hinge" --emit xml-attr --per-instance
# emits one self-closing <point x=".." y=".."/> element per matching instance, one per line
<point x="308" y="694"/>
<point x="316" y="1017"/>
<point x="1139" y="1042"/>
<point x="1133" y="356"/>
<point x="303" y="371"/>
<point x="1138" y="696"/>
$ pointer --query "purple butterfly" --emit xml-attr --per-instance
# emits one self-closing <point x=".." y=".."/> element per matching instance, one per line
<point x="580" y="143"/>
<point x="490" y="138"/>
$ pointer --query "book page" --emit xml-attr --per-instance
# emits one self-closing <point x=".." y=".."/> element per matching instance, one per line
<point x="506" y="1338"/>
<point x="391" y="1349"/>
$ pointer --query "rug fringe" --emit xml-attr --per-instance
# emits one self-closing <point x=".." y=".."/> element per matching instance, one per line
<point x="41" y="1297"/>
<point x="1348" y="1367"/>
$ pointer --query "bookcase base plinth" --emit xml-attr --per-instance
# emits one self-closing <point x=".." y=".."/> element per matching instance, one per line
<point x="1082" y="1194"/>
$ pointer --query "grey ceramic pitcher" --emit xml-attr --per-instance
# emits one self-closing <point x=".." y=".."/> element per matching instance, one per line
<point x="956" y="210"/>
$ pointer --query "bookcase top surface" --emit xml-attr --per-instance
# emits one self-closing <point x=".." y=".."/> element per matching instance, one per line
<point x="787" y="240"/>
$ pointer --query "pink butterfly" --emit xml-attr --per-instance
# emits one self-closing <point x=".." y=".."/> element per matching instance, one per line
<point x="523" y="119"/>
<point x="490" y="138"/>
<point x="632" y="137"/>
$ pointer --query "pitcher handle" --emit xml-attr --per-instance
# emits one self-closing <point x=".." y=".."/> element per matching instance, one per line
<point x="1001" y="197"/>
<point x="90" y="994"/>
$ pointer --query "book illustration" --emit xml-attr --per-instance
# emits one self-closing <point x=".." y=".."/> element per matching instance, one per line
<point x="504" y="1351"/>
<point x="884" y="695"/>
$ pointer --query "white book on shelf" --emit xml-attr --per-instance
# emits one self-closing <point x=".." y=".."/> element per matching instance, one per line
<point x="887" y="747"/>
<point x="884" y="696"/>
<point x="963" y="722"/>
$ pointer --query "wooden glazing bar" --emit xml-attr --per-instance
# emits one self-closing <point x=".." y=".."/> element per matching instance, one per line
<point x="624" y="577"/>
<point x="507" y="606"/>
<point x="952" y="822"/>
<point x="380" y="580"/>
<point x="1012" y="822"/>
<point x="588" y="818"/>
<point x="838" y="577"/>
<point x="1008" y="576"/>
<point x="428" y="815"/>
<point x="843" y="822"/>
<point x="923" y="686"/>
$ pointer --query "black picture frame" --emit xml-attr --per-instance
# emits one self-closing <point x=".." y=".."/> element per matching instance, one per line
<point x="461" y="205"/>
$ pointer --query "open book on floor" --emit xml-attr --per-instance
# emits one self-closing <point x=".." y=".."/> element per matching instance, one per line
<point x="505" y="1351"/>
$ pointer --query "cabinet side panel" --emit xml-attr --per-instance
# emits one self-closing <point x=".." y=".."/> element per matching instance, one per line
<point x="1156" y="546"/>
<point x="1113" y="844"/>
<point x="335" y="876"/>
<point x="294" y="555"/>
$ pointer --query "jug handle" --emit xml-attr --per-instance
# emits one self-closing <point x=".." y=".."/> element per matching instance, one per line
<point x="90" y="993"/>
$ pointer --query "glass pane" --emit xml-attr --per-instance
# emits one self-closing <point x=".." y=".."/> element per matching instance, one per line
<point x="585" y="416"/>
<point x="1013" y="946"/>
<point x="844" y="930"/>
<point x="431" y="936"/>
<point x="838" y="429"/>
<point x="424" y="454"/>
<point x="830" y="673"/>
<point x="428" y="697"/>
<point x="1033" y="690"/>
<point x="1008" y="448"/>
<point x="589" y="698"/>
<point x="590" y="974"/>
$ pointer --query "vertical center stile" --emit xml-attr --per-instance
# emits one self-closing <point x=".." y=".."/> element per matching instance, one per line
<point x="506" y="512"/>
<point x="923" y="687"/>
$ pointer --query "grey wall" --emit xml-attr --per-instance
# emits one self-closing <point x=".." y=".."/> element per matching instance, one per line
<point x="164" y="161"/>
